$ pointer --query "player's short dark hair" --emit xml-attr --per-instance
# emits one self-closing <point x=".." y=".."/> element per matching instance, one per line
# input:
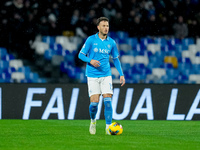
<point x="102" y="19"/>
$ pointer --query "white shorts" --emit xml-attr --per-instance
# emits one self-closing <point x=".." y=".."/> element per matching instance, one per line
<point x="102" y="85"/>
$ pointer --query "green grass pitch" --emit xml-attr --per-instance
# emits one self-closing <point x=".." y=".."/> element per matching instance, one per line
<point x="74" y="135"/>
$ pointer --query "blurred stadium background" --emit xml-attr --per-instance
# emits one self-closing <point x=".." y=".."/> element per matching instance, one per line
<point x="158" y="40"/>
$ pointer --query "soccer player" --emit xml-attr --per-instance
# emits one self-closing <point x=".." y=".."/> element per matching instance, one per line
<point x="96" y="52"/>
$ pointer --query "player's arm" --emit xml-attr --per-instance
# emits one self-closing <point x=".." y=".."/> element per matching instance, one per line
<point x="117" y="63"/>
<point x="84" y="50"/>
<point x="119" y="69"/>
<point x="84" y="58"/>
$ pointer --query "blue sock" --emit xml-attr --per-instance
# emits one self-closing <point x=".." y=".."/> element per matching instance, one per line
<point x="93" y="109"/>
<point x="108" y="110"/>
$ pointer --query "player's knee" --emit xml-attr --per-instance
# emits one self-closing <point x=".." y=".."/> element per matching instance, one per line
<point x="94" y="98"/>
<point x="107" y="95"/>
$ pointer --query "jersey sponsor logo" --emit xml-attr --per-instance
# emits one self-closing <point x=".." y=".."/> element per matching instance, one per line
<point x="104" y="51"/>
<point x="95" y="44"/>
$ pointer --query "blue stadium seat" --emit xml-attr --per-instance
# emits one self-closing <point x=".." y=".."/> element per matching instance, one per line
<point x="165" y="79"/>
<point x="139" y="48"/>
<point x="145" y="53"/>
<point x="172" y="73"/>
<point x="80" y="76"/>
<point x="125" y="66"/>
<point x="9" y="70"/>
<point x="138" y="78"/>
<point x="164" y="48"/>
<point x="4" y="64"/>
<point x="72" y="71"/>
<point x="154" y="62"/>
<point x="112" y="34"/>
<point x="69" y="59"/>
<point x="181" y="79"/>
<point x="122" y="35"/>
<point x="8" y="57"/>
<point x="172" y="43"/>
<point x="64" y="66"/>
<point x="49" y="39"/>
<point x="6" y="80"/>
<point x="132" y="41"/>
<point x="121" y="53"/>
<point x="3" y="52"/>
<point x="55" y="46"/>
<point x="128" y="73"/>
<point x="145" y="41"/>
<point x="197" y="53"/>
<point x="183" y="66"/>
<point x="184" y="60"/>
<point x="161" y="41"/>
<point x="196" y="68"/>
<point x="148" y="71"/>
<point x="40" y="80"/>
<point x="160" y="55"/>
<point x="138" y="68"/>
<point x="24" y="69"/>
<point x="186" y="71"/>
<point x="147" y="81"/>
<point x="5" y="76"/>
<point x="72" y="53"/>
<point x="26" y="81"/>
<point x="48" y="54"/>
<point x="112" y="64"/>
<point x="166" y="66"/>
<point x="60" y="52"/>
<point x="32" y="76"/>
<point x="186" y="42"/>
<point x="179" y="48"/>
<point x="132" y="52"/>
<point x="174" y="53"/>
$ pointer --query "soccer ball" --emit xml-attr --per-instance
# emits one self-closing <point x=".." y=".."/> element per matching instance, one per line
<point x="115" y="128"/>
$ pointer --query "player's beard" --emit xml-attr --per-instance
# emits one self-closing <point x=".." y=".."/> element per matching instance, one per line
<point x="105" y="33"/>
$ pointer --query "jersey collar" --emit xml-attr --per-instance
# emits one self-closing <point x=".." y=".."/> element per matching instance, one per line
<point x="96" y="35"/>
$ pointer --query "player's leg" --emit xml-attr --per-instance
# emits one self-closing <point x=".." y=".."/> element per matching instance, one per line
<point x="107" y="91"/>
<point x="94" y="93"/>
<point x="94" y="101"/>
<point x="107" y="110"/>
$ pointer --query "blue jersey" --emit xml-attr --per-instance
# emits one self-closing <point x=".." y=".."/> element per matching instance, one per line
<point x="98" y="49"/>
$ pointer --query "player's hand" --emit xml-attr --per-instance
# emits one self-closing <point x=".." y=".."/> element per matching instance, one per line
<point x="95" y="63"/>
<point x="122" y="80"/>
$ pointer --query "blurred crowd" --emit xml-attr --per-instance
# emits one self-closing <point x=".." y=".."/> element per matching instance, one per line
<point x="22" y="20"/>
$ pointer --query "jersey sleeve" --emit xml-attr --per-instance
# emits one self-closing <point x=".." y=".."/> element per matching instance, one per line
<point x="118" y="66"/>
<point x="86" y="46"/>
<point x="114" y="52"/>
<point x="84" y="50"/>
<point x="115" y="55"/>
